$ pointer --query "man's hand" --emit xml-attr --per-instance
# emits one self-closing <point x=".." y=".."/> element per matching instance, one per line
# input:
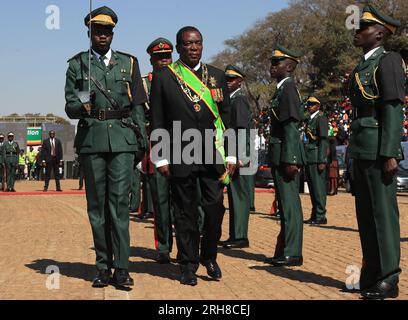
<point x="164" y="171"/>
<point x="390" y="167"/>
<point x="321" y="167"/>
<point x="291" y="170"/>
<point x="231" y="167"/>
<point x="87" y="107"/>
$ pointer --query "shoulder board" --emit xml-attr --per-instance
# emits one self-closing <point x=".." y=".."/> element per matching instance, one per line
<point x="126" y="54"/>
<point x="77" y="55"/>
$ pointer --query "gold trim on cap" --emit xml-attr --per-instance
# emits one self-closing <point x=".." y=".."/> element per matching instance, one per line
<point x="280" y="54"/>
<point x="103" y="19"/>
<point x="313" y="100"/>
<point x="233" y="73"/>
<point x="370" y="17"/>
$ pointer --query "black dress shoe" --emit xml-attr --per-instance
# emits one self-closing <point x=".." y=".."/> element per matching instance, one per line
<point x="213" y="270"/>
<point x="188" y="278"/>
<point x="121" y="277"/>
<point x="144" y="215"/>
<point x="12" y="190"/>
<point x="221" y="243"/>
<point x="381" y="291"/>
<point x="236" y="244"/>
<point x="319" y="221"/>
<point x="163" y="258"/>
<point x="285" y="261"/>
<point x="308" y="221"/>
<point x="252" y="209"/>
<point x="45" y="189"/>
<point x="102" y="279"/>
<point x="59" y="190"/>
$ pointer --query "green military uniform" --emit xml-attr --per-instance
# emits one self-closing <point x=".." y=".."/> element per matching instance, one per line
<point x="105" y="143"/>
<point x="2" y="162"/>
<point x="377" y="95"/>
<point x="134" y="203"/>
<point x="157" y="187"/>
<point x="11" y="150"/>
<point x="239" y="189"/>
<point x="316" y="146"/>
<point x="285" y="147"/>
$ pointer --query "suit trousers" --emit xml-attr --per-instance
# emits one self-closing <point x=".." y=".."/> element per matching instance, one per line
<point x="107" y="179"/>
<point x="290" y="238"/>
<point x="378" y="223"/>
<point x="52" y="165"/>
<point x="317" y="182"/>
<point x="185" y="199"/>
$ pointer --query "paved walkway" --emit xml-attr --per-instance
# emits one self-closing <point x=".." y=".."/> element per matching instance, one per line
<point x="39" y="231"/>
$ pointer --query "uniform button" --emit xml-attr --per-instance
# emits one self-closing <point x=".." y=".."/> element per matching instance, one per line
<point x="107" y="73"/>
<point x="110" y="126"/>
<point x="109" y="109"/>
<point x="109" y="90"/>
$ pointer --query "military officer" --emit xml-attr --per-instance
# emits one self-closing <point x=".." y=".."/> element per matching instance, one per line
<point x="239" y="189"/>
<point x="316" y="146"/>
<point x="11" y="151"/>
<point x="286" y="156"/>
<point x="110" y="135"/>
<point x="377" y="95"/>
<point x="160" y="51"/>
<point x="2" y="159"/>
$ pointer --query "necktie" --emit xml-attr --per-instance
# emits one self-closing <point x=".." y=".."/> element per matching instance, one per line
<point x="52" y="148"/>
<point x="102" y="59"/>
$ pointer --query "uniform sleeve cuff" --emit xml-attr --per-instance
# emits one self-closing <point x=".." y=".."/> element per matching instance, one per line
<point x="231" y="159"/>
<point x="161" y="163"/>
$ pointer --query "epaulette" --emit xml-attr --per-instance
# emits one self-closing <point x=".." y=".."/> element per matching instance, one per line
<point x="77" y="55"/>
<point x="126" y="54"/>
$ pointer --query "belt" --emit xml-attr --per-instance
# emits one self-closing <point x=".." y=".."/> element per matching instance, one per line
<point x="106" y="114"/>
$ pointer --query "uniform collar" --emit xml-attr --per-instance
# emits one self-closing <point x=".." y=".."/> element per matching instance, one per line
<point x="314" y="115"/>
<point x="281" y="82"/>
<point x="108" y="55"/>
<point x="235" y="92"/>
<point x="196" y="68"/>
<point x="370" y="53"/>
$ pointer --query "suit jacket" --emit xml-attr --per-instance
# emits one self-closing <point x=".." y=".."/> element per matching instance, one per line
<point x="46" y="150"/>
<point x="168" y="103"/>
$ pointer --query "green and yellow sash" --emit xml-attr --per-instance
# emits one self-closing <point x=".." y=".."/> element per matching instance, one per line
<point x="200" y="89"/>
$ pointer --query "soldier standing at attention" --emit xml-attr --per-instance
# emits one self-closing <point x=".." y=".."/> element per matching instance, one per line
<point x="239" y="189"/>
<point x="107" y="140"/>
<point x="286" y="156"/>
<point x="11" y="151"/>
<point x="2" y="159"/>
<point x="316" y="146"/>
<point x="377" y="91"/>
<point x="160" y="51"/>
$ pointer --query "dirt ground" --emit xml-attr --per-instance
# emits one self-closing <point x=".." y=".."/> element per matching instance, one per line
<point x="45" y="232"/>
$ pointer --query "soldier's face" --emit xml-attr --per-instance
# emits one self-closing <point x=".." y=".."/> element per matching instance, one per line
<point x="368" y="35"/>
<point x="233" y="83"/>
<point x="10" y="138"/>
<point x="312" y="108"/>
<point x="278" y="69"/>
<point x="161" y="60"/>
<point x="191" y="48"/>
<point x="101" y="38"/>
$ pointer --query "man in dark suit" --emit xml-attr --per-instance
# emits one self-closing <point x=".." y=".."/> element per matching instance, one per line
<point x="189" y="95"/>
<point x="51" y="156"/>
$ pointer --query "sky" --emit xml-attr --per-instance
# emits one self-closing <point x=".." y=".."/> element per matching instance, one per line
<point x="33" y="58"/>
